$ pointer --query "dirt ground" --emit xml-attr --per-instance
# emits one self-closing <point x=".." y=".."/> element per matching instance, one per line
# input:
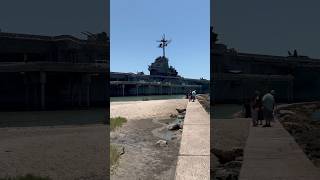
<point x="227" y="134"/>
<point x="147" y="123"/>
<point x="60" y="152"/>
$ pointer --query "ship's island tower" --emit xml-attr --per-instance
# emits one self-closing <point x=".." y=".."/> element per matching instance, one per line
<point x="160" y="67"/>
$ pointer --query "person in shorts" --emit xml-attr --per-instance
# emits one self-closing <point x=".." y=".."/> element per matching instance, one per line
<point x="268" y="104"/>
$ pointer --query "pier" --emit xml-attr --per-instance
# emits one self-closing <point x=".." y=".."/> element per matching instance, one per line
<point x="272" y="153"/>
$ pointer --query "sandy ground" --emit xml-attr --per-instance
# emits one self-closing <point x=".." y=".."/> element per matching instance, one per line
<point x="146" y="109"/>
<point x="64" y="152"/>
<point x="146" y="120"/>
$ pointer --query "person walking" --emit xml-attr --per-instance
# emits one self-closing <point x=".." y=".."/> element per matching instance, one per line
<point x="255" y="105"/>
<point x="194" y="93"/>
<point x="190" y="95"/>
<point x="246" y="108"/>
<point x="260" y="112"/>
<point x="268" y="104"/>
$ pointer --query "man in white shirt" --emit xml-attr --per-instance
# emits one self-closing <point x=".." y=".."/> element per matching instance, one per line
<point x="268" y="103"/>
<point x="194" y="93"/>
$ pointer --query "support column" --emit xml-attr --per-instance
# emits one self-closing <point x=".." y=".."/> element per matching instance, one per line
<point x="149" y="90"/>
<point x="27" y="90"/>
<point x="43" y="79"/>
<point x="123" y="86"/>
<point x="87" y="82"/>
<point x="290" y="89"/>
<point x="137" y="89"/>
<point x="80" y="94"/>
<point x="25" y="57"/>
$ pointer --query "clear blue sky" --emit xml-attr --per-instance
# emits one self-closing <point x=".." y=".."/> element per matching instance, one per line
<point x="135" y="25"/>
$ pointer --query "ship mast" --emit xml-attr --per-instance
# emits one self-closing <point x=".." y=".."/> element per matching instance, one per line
<point x="163" y="44"/>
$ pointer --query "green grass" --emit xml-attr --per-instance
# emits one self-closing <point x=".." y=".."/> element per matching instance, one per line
<point x="114" y="150"/>
<point x="114" y="156"/>
<point x="26" y="177"/>
<point x="117" y="122"/>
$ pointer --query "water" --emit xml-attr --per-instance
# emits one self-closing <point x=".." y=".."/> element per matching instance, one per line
<point x="316" y="115"/>
<point x="143" y="98"/>
<point x="168" y="135"/>
<point x="225" y="111"/>
<point x="52" y="118"/>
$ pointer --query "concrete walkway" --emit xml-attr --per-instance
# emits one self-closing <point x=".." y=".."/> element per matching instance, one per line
<point x="194" y="155"/>
<point x="273" y="154"/>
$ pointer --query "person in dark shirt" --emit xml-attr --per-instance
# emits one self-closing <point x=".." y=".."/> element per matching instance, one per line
<point x="255" y="105"/>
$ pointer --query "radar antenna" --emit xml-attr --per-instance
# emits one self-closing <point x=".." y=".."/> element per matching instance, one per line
<point x="163" y="44"/>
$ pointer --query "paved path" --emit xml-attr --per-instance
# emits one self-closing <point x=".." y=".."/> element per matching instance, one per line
<point x="194" y="155"/>
<point x="272" y="154"/>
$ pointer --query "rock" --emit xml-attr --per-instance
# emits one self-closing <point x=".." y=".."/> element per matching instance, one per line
<point x="180" y="116"/>
<point x="122" y="151"/>
<point x="173" y="116"/>
<point x="181" y="125"/>
<point x="181" y="110"/>
<point x="226" y="174"/>
<point x="227" y="156"/>
<point x="294" y="127"/>
<point x="233" y="165"/>
<point x="174" y="126"/>
<point x="161" y="143"/>
<point x="239" y="158"/>
<point x="284" y="112"/>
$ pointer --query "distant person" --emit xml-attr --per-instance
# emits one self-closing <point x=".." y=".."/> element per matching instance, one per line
<point x="268" y="103"/>
<point x="260" y="112"/>
<point x="194" y="93"/>
<point x="255" y="105"/>
<point x="247" y="108"/>
<point x="190" y="95"/>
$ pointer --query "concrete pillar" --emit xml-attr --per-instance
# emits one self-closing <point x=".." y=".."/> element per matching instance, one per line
<point x="27" y="94"/>
<point x="149" y="90"/>
<point x="79" y="94"/>
<point x="137" y="89"/>
<point x="25" y="57"/>
<point x="87" y="82"/>
<point x="123" y="86"/>
<point x="43" y="79"/>
<point x="27" y="90"/>
<point x="290" y="91"/>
